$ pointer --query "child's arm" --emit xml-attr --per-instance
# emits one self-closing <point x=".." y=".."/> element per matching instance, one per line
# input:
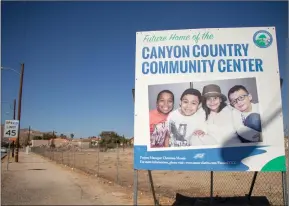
<point x="245" y="132"/>
<point x="167" y="140"/>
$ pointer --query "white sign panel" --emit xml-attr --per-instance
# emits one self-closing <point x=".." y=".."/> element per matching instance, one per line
<point x="208" y="99"/>
<point x="11" y="128"/>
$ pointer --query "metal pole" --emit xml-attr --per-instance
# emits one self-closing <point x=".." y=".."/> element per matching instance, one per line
<point x="284" y="178"/>
<point x="212" y="188"/>
<point x="252" y="185"/>
<point x="28" y="138"/>
<point x="284" y="184"/>
<point x="73" y="158"/>
<point x="8" y="156"/>
<point x="135" y="176"/>
<point x="13" y="148"/>
<point x="117" y="162"/>
<point x="135" y="186"/>
<point x="152" y="187"/>
<point x="98" y="157"/>
<point x="19" y="112"/>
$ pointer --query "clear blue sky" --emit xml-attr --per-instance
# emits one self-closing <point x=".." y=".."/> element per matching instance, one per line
<point x="80" y="56"/>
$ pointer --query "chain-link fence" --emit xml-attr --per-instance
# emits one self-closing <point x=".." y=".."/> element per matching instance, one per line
<point x="117" y="165"/>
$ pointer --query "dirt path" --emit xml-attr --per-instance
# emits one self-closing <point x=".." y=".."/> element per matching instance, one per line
<point x="36" y="180"/>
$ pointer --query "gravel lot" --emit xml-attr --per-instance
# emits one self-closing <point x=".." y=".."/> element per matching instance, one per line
<point x="168" y="183"/>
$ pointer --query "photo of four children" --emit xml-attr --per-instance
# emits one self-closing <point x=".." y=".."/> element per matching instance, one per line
<point x="205" y="116"/>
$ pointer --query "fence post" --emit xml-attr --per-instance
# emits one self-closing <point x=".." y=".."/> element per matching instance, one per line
<point x="117" y="162"/>
<point x="284" y="187"/>
<point x="135" y="187"/>
<point x="73" y="158"/>
<point x="70" y="158"/>
<point x="61" y="157"/>
<point x="98" y="157"/>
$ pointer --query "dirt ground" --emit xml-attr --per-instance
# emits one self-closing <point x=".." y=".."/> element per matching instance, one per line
<point x="168" y="183"/>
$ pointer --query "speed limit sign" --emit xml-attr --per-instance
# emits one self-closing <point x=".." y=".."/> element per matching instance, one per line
<point x="11" y="128"/>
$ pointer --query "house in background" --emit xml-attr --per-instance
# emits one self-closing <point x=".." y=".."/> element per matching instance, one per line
<point x="59" y="141"/>
<point x="37" y="143"/>
<point x="131" y="141"/>
<point x="82" y="143"/>
<point x="94" y="141"/>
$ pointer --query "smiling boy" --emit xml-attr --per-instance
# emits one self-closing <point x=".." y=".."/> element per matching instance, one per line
<point x="246" y="115"/>
<point x="158" y="117"/>
<point x="184" y="121"/>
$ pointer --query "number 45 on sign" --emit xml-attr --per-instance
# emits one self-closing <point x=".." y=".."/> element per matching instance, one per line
<point x="11" y="128"/>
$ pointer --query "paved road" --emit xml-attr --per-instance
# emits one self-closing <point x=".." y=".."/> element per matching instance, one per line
<point x="37" y="181"/>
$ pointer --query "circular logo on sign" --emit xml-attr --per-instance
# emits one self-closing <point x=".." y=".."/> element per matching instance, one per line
<point x="262" y="39"/>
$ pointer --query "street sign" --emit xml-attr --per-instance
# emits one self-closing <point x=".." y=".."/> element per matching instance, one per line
<point x="11" y="128"/>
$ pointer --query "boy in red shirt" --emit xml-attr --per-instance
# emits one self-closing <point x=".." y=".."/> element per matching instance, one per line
<point x="158" y="117"/>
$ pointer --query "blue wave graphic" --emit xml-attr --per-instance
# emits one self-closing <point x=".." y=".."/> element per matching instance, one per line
<point x="212" y="159"/>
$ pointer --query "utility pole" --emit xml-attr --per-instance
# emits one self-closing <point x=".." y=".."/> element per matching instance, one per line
<point x="19" y="111"/>
<point x="28" y="138"/>
<point x="14" y="117"/>
<point x="14" y="109"/>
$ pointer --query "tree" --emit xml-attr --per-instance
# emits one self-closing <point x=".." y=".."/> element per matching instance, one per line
<point x="71" y="135"/>
<point x="48" y="136"/>
<point x="62" y="136"/>
<point x="37" y="137"/>
<point x="111" y="139"/>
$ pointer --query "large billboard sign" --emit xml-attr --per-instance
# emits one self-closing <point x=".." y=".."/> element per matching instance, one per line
<point x="208" y="99"/>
